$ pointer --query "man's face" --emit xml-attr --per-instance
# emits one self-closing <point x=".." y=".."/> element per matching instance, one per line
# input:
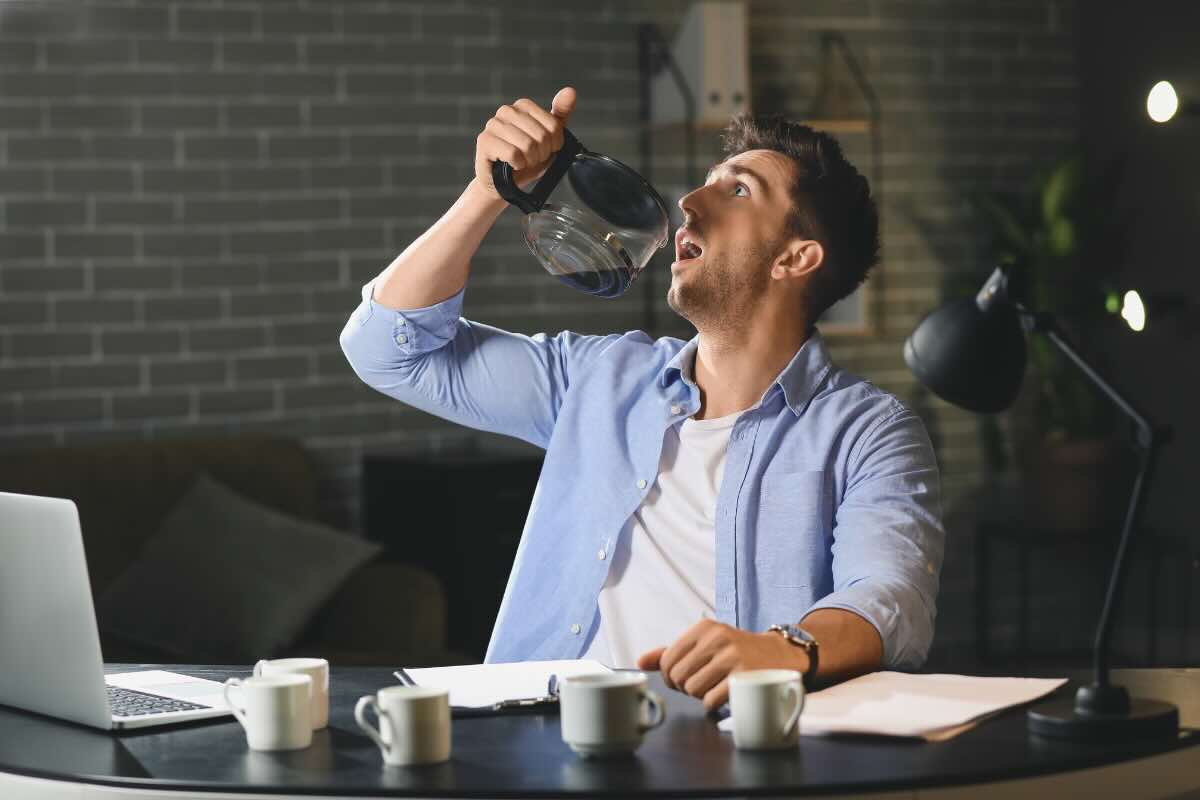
<point x="734" y="227"/>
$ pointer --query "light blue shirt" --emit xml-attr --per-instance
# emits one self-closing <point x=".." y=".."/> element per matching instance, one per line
<point x="830" y="496"/>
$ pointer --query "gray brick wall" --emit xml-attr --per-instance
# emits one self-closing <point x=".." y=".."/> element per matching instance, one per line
<point x="191" y="193"/>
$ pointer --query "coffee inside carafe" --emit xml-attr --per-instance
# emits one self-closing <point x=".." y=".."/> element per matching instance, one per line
<point x="595" y="231"/>
<point x="598" y="264"/>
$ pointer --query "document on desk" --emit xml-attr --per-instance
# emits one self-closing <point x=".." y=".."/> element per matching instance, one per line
<point x="929" y="707"/>
<point x="486" y="688"/>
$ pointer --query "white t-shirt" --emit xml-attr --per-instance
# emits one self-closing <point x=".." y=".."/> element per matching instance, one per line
<point x="663" y="575"/>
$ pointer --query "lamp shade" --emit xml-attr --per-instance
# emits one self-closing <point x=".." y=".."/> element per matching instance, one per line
<point x="968" y="356"/>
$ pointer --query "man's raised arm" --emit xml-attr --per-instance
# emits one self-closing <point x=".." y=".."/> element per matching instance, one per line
<point x="436" y="265"/>
<point x="407" y="338"/>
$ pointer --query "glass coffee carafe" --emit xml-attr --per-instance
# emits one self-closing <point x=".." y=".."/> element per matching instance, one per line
<point x="595" y="231"/>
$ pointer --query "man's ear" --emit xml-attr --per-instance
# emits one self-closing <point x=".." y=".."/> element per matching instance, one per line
<point x="800" y="259"/>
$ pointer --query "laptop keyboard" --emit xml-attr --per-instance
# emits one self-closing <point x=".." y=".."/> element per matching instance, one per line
<point x="131" y="703"/>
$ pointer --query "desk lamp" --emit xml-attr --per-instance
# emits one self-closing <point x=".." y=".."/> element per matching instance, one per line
<point x="971" y="352"/>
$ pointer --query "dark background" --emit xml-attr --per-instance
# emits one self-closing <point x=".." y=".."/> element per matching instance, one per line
<point x="193" y="192"/>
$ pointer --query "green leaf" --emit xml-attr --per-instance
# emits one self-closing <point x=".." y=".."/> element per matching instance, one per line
<point x="1061" y="241"/>
<point x="1062" y="189"/>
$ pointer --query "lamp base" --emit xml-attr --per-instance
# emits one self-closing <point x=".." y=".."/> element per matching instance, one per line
<point x="1146" y="719"/>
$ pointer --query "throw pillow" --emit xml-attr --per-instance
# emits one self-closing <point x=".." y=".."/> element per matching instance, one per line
<point x="227" y="580"/>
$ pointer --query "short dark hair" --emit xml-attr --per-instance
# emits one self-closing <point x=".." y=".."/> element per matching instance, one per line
<point x="831" y="201"/>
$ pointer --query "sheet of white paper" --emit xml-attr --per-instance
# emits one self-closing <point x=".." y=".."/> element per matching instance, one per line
<point x="899" y="704"/>
<point x="482" y="685"/>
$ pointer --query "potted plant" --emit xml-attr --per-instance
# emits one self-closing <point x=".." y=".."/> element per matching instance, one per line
<point x="1061" y="241"/>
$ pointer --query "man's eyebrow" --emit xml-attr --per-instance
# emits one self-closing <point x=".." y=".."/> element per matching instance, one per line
<point x="738" y="169"/>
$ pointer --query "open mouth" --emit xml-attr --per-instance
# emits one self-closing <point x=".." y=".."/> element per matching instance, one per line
<point x="687" y="247"/>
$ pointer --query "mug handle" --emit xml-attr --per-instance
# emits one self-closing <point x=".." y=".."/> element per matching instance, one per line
<point x="529" y="202"/>
<point x="238" y="713"/>
<point x="360" y="716"/>
<point x="658" y="712"/>
<point x="794" y="717"/>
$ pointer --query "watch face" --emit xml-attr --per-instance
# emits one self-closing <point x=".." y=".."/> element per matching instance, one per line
<point x="800" y="633"/>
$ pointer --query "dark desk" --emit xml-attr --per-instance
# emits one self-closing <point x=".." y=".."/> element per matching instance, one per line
<point x="525" y="756"/>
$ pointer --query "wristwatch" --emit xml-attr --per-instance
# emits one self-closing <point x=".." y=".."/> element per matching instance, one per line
<point x="804" y="640"/>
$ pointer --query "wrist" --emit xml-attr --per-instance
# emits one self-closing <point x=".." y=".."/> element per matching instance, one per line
<point x="483" y="197"/>
<point x="807" y="648"/>
<point x="801" y="661"/>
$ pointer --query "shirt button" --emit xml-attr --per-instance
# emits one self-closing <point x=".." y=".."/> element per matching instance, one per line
<point x="641" y="484"/>
<point x="601" y="554"/>
<point x="575" y="629"/>
<point x="401" y="323"/>
<point x="401" y="338"/>
<point x="675" y="409"/>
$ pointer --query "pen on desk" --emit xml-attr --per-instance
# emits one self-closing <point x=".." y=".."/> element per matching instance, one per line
<point x="523" y="702"/>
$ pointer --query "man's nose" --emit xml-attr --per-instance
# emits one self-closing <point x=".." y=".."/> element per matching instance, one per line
<point x="689" y="204"/>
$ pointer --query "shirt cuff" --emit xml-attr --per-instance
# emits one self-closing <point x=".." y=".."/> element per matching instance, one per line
<point x="879" y="608"/>
<point x="409" y="331"/>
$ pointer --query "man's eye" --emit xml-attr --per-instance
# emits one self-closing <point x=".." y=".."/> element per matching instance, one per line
<point x="741" y="187"/>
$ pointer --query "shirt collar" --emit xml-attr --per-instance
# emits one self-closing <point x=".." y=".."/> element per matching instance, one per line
<point x="798" y="381"/>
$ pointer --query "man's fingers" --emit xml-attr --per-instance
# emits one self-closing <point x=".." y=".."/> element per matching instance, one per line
<point x="550" y="123"/>
<point x="700" y="682"/>
<point x="496" y="149"/>
<point x="541" y="138"/>
<point x="717" y="696"/>
<point x="668" y="660"/>
<point x="681" y="647"/>
<point x="516" y="137"/>
<point x="691" y="663"/>
<point x="649" y="661"/>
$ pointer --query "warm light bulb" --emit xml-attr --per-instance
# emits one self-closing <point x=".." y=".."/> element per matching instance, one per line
<point x="1133" y="311"/>
<point x="1162" y="102"/>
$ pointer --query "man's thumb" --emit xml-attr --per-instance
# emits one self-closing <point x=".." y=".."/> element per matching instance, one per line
<point x="649" y="661"/>
<point x="563" y="103"/>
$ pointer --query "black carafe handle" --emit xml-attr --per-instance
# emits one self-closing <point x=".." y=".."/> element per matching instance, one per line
<point x="529" y="202"/>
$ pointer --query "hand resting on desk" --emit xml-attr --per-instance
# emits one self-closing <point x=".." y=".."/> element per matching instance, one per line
<point x="700" y="661"/>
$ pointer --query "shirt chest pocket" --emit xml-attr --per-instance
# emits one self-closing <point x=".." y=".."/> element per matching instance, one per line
<point x="791" y="533"/>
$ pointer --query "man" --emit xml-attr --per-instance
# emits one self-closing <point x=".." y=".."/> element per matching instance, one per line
<point x="693" y="494"/>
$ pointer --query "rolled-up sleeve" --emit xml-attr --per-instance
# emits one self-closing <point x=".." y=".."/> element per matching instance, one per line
<point x="376" y="337"/>
<point x="888" y="539"/>
<point x="465" y="372"/>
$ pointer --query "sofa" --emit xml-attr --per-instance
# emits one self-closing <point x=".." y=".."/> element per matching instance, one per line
<point x="385" y="613"/>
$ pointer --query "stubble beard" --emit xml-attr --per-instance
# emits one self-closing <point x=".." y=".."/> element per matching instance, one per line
<point x="724" y="293"/>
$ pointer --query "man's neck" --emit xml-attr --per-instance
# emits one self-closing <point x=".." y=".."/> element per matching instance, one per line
<point x="733" y="369"/>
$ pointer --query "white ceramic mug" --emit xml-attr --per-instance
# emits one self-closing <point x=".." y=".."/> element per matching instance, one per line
<point x="276" y="712"/>
<point x="766" y="706"/>
<point x="315" y="668"/>
<point x="607" y="714"/>
<point x="414" y="723"/>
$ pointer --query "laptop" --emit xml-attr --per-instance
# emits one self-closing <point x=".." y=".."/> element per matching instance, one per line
<point x="50" y="660"/>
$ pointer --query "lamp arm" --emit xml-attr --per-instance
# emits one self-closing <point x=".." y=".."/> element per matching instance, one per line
<point x="1116" y="582"/>
<point x="1101" y="696"/>
<point x="1046" y="323"/>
